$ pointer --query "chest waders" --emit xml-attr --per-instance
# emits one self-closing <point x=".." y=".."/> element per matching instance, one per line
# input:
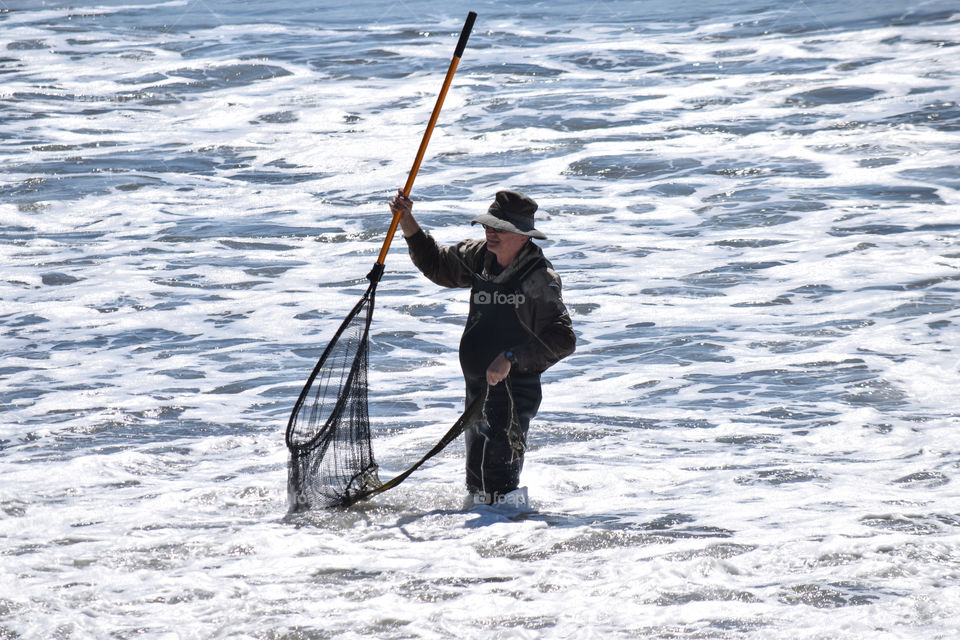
<point x="495" y="445"/>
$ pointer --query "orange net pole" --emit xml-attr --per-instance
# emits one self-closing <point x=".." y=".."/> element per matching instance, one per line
<point x="461" y="44"/>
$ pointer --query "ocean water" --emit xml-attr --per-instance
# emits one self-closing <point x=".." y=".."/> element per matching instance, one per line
<point x="754" y="209"/>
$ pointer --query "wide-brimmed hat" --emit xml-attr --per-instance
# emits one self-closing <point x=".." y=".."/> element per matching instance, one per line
<point x="511" y="211"/>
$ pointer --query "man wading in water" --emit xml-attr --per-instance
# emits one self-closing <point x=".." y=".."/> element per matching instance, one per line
<point x="518" y="326"/>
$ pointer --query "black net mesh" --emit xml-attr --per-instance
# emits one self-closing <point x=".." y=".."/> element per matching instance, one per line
<point x="331" y="457"/>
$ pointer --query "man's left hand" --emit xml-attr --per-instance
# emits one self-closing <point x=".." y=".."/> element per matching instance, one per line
<point x="498" y="370"/>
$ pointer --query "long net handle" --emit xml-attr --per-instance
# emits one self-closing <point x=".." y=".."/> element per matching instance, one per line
<point x="461" y="45"/>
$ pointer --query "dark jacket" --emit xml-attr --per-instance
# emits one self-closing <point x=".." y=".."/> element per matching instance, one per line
<point x="541" y="311"/>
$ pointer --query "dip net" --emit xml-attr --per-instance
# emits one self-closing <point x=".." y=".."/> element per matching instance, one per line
<point x="328" y="434"/>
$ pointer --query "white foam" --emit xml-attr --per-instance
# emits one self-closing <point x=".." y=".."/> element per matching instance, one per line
<point x="754" y="438"/>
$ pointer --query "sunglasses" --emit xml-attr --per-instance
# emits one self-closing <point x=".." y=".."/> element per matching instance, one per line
<point x="487" y="227"/>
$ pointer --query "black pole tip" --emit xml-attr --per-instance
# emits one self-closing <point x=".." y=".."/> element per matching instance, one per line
<point x="465" y="34"/>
